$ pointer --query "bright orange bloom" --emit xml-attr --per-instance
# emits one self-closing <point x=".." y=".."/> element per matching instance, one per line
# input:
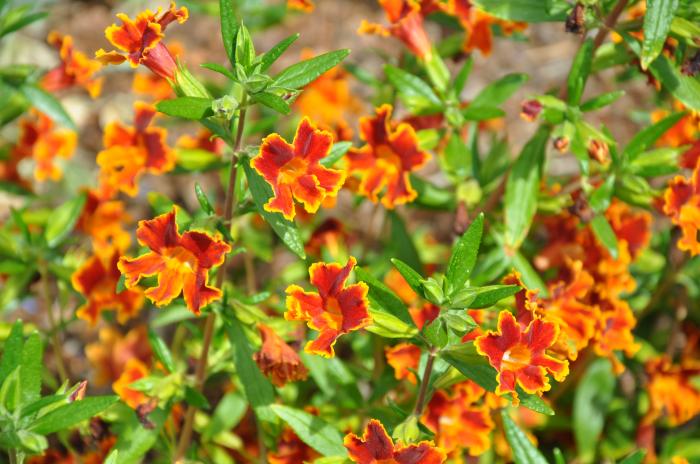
<point x="448" y="416"/>
<point x="102" y="220"/>
<point x="307" y="6"/>
<point x="672" y="391"/>
<point x="519" y="355"/>
<point x="133" y="371"/>
<point x="75" y="68"/>
<point x="141" y="40"/>
<point x="684" y="132"/>
<point x="406" y="24"/>
<point x="111" y="352"/>
<point x="131" y="151"/>
<point x="478" y="24"/>
<point x="291" y="450"/>
<point x="614" y="331"/>
<point x="97" y="281"/>
<point x="278" y="360"/>
<point x="387" y="159"/>
<point x="376" y="447"/>
<point x="152" y="85"/>
<point x="181" y="262"/>
<point x="40" y="140"/>
<point x="404" y="358"/>
<point x="204" y="140"/>
<point x="294" y="171"/>
<point x="682" y="205"/>
<point x="335" y="310"/>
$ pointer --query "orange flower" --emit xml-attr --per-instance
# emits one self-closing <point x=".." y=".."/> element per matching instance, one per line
<point x="307" y="6"/>
<point x="614" y="331"/>
<point x="140" y="40"/>
<point x="102" y="220"/>
<point x="181" y="262"/>
<point x="477" y="24"/>
<point x="448" y="416"/>
<point x="294" y="171"/>
<point x="376" y="447"/>
<point x="291" y="450"/>
<point x="40" y="140"/>
<point x="75" y="68"/>
<point x="152" y="85"/>
<point x="111" y="352"/>
<point x="387" y="159"/>
<point x="97" y="281"/>
<point x="406" y="24"/>
<point x="278" y="360"/>
<point x="682" y="205"/>
<point x="404" y="358"/>
<point x="131" y="151"/>
<point x="133" y="371"/>
<point x="335" y="310"/>
<point x="672" y="391"/>
<point x="684" y="132"/>
<point x="520" y="356"/>
<point x="204" y="140"/>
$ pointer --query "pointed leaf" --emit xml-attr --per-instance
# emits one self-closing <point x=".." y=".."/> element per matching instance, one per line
<point x="524" y="452"/>
<point x="71" y="414"/>
<point x="657" y="24"/>
<point x="464" y="255"/>
<point x="62" y="221"/>
<point x="312" y="430"/>
<point x="298" y="75"/>
<point x="275" y="52"/>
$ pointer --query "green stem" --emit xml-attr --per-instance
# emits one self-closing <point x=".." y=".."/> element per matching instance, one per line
<point x="12" y="454"/>
<point x="48" y="307"/>
<point x="425" y="381"/>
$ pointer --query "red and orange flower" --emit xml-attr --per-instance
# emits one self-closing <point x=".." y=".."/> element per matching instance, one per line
<point x="131" y="151"/>
<point x="140" y="40"/>
<point x="294" y="171"/>
<point x="519" y="355"/>
<point x="133" y="371"/>
<point x="278" y="360"/>
<point x="376" y="447"/>
<point x="405" y="23"/>
<point x="181" y="262"/>
<point x="41" y="140"/>
<point x="682" y="205"/>
<point x="110" y="353"/>
<point x="307" y="6"/>
<point x="387" y="159"/>
<point x="404" y="358"/>
<point x="75" y="68"/>
<point x="334" y="310"/>
<point x="291" y="450"/>
<point x="102" y="221"/>
<point x="97" y="281"/>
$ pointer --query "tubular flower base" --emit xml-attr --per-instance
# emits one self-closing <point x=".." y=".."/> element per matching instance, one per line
<point x="132" y="151"/>
<point x="406" y="24"/>
<point x="376" y="447"/>
<point x="140" y="41"/>
<point x="335" y="310"/>
<point x="387" y="159"/>
<point x="133" y="371"/>
<point x="519" y="355"/>
<point x="278" y="360"/>
<point x="40" y="140"/>
<point x="294" y="171"/>
<point x="75" y="68"/>
<point x="181" y="262"/>
<point x="97" y="281"/>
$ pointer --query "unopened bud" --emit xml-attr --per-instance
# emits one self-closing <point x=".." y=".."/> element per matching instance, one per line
<point x="530" y="109"/>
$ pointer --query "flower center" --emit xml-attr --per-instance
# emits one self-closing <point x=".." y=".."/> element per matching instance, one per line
<point x="179" y="258"/>
<point x="333" y="314"/>
<point x="387" y="158"/>
<point x="517" y="357"/>
<point x="292" y="170"/>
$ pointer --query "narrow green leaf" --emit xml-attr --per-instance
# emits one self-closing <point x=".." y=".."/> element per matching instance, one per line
<point x="401" y="245"/>
<point x="272" y="101"/>
<point x="216" y="67"/>
<point x="685" y="88"/>
<point x="647" y="136"/>
<point x="336" y="152"/>
<point x="30" y="370"/>
<point x="71" y="414"/>
<point x="48" y="104"/>
<point x="524" y="452"/>
<point x="275" y="52"/>
<point x="244" y="50"/>
<point x="286" y="230"/>
<point x="229" y="28"/>
<point x="492" y="294"/>
<point x="591" y="402"/>
<point x="464" y="254"/>
<point x="192" y="108"/>
<point x="601" y="101"/>
<point x="312" y="430"/>
<point x="298" y="75"/>
<point x="416" y="94"/>
<point x="196" y="398"/>
<point x="382" y="298"/>
<point x="580" y="69"/>
<point x="228" y="413"/>
<point x="497" y="92"/>
<point x="482" y="113"/>
<point x="389" y="326"/>
<point x="62" y="220"/>
<point x="605" y="234"/>
<point x="522" y="188"/>
<point x="257" y="388"/>
<point x="12" y="351"/>
<point x="657" y="24"/>
<point x="463" y="75"/>
<point x="412" y="277"/>
<point x="202" y="199"/>
<point x="531" y="278"/>
<point x="531" y="11"/>
<point x="161" y="350"/>
<point x="134" y="440"/>
<point x="635" y="458"/>
<point x="21" y="22"/>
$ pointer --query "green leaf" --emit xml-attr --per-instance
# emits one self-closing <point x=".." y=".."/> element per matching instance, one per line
<point x="657" y="24"/>
<point x="482" y="113"/>
<point x="244" y="49"/>
<point x="229" y="28"/>
<point x="275" y="52"/>
<point x="523" y="187"/>
<point x="161" y="350"/>
<point x="192" y="108"/>
<point x="492" y="294"/>
<point x="134" y="440"/>
<point x="591" y="402"/>
<point x="580" y="69"/>
<point x="30" y="370"/>
<point x="71" y="414"/>
<point x="48" y="104"/>
<point x="298" y="75"/>
<point x="635" y="458"/>
<point x="401" y="245"/>
<point x="601" y="101"/>
<point x="202" y="199"/>
<point x="647" y="136"/>
<point x="257" y="388"/>
<point x="228" y="413"/>
<point x="196" y="398"/>
<point x="412" y="277"/>
<point x="464" y="254"/>
<point x="389" y="326"/>
<point x="382" y="298"/>
<point x="531" y="278"/>
<point x="524" y="452"/>
<point x="531" y="11"/>
<point x="605" y="234"/>
<point x="11" y="391"/>
<point x="62" y="220"/>
<point x="312" y="430"/>
<point x="497" y="92"/>
<point x="685" y="88"/>
<point x="336" y="152"/>
<point x="216" y="67"/>
<point x="12" y="351"/>
<point x="21" y="22"/>
<point x="272" y="101"/>
<point x="463" y="75"/>
<point x="413" y="92"/>
<point x="262" y="192"/>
